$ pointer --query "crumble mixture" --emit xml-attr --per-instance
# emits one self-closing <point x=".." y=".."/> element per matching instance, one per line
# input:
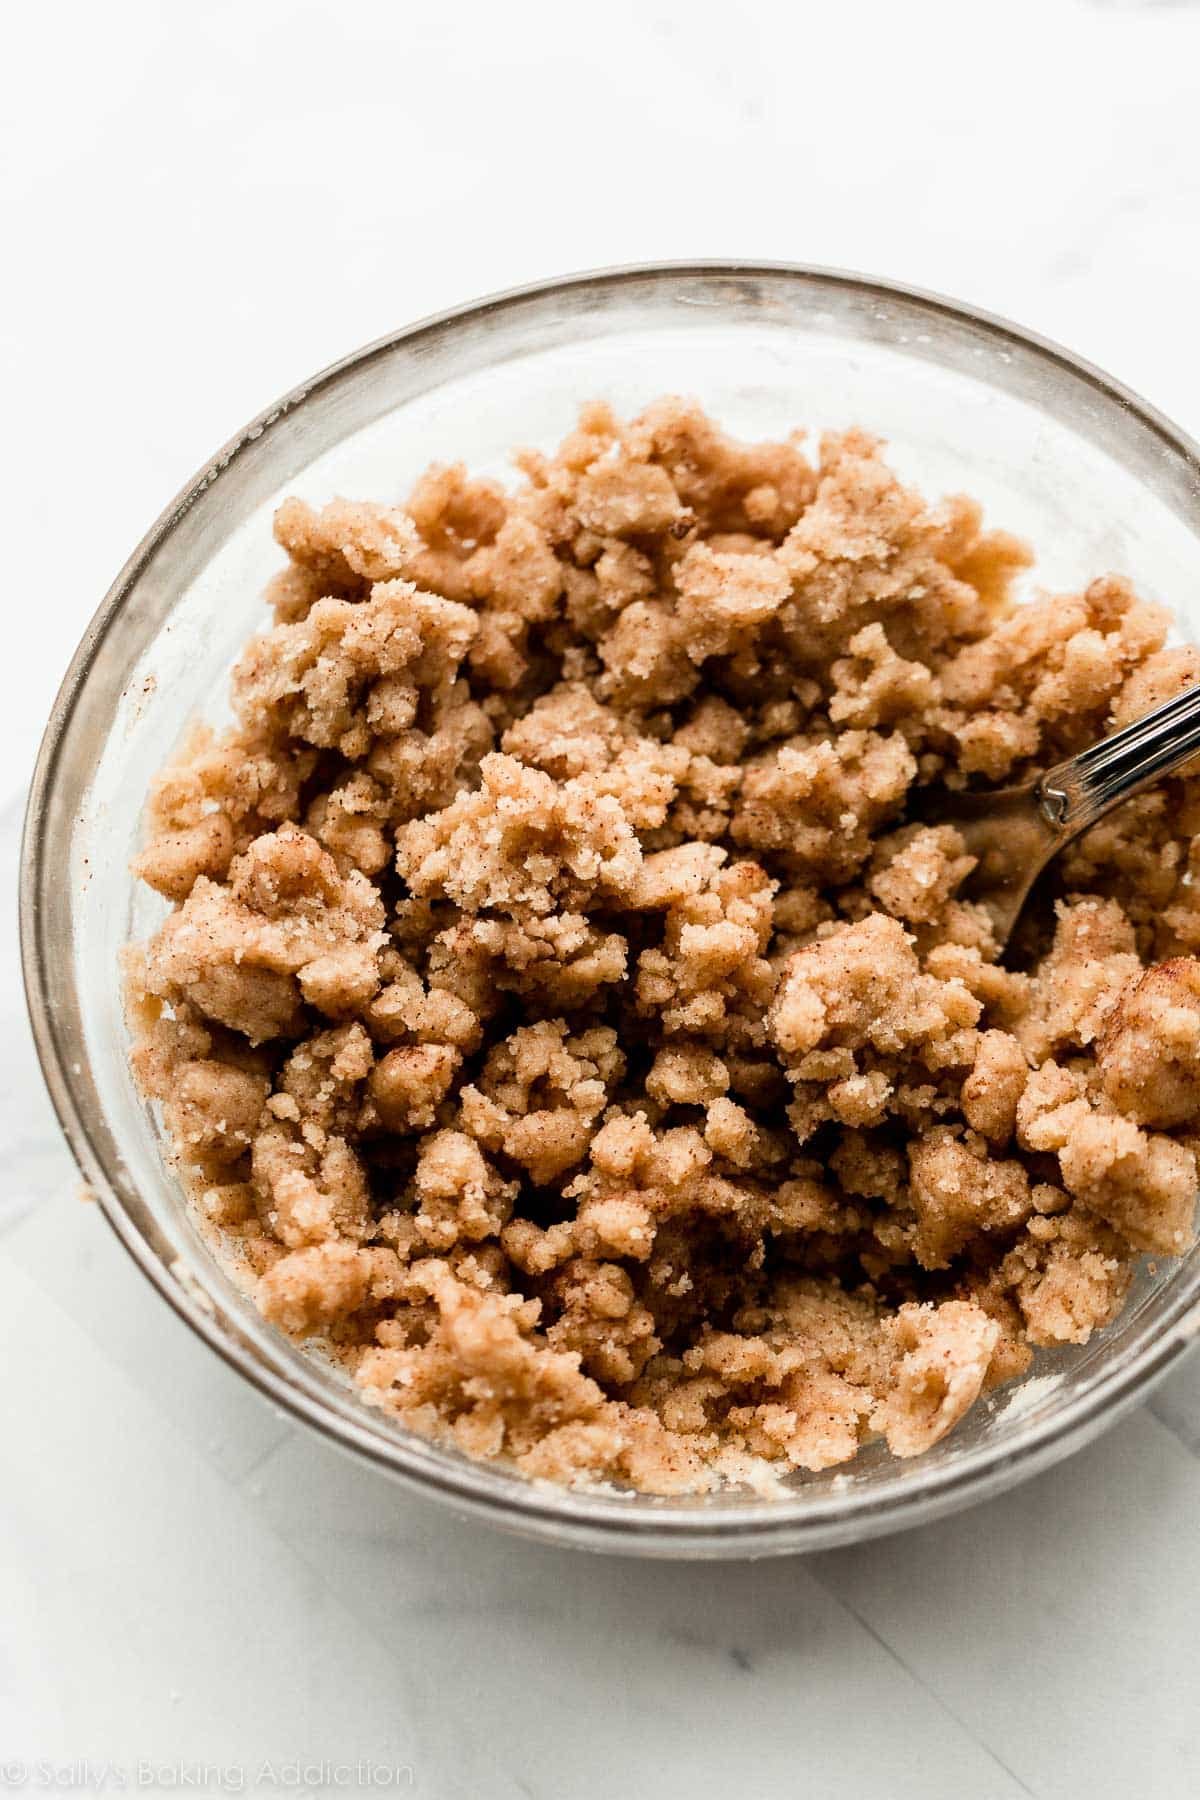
<point x="557" y="1016"/>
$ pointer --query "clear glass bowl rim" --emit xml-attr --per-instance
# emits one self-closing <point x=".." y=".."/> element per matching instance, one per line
<point x="593" y="1521"/>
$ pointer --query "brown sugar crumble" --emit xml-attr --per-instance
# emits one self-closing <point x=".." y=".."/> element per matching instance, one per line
<point x="557" y="1016"/>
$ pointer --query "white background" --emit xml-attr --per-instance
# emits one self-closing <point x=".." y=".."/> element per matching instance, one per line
<point x="203" y="204"/>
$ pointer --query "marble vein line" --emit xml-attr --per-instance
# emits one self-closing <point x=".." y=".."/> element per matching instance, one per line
<point x="283" y="1434"/>
<point x="1186" y="1440"/>
<point x="938" y="1700"/>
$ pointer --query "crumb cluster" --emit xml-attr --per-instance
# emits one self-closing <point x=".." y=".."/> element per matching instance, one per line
<point x="557" y="1016"/>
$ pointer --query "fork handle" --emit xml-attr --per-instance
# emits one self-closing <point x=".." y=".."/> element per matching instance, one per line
<point x="1084" y="789"/>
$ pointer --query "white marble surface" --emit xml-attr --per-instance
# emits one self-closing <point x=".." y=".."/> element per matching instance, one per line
<point x="204" y="204"/>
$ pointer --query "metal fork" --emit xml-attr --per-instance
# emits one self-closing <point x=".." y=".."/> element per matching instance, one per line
<point x="1014" y="832"/>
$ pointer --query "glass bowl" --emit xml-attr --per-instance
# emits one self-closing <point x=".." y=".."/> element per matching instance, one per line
<point x="1055" y="450"/>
